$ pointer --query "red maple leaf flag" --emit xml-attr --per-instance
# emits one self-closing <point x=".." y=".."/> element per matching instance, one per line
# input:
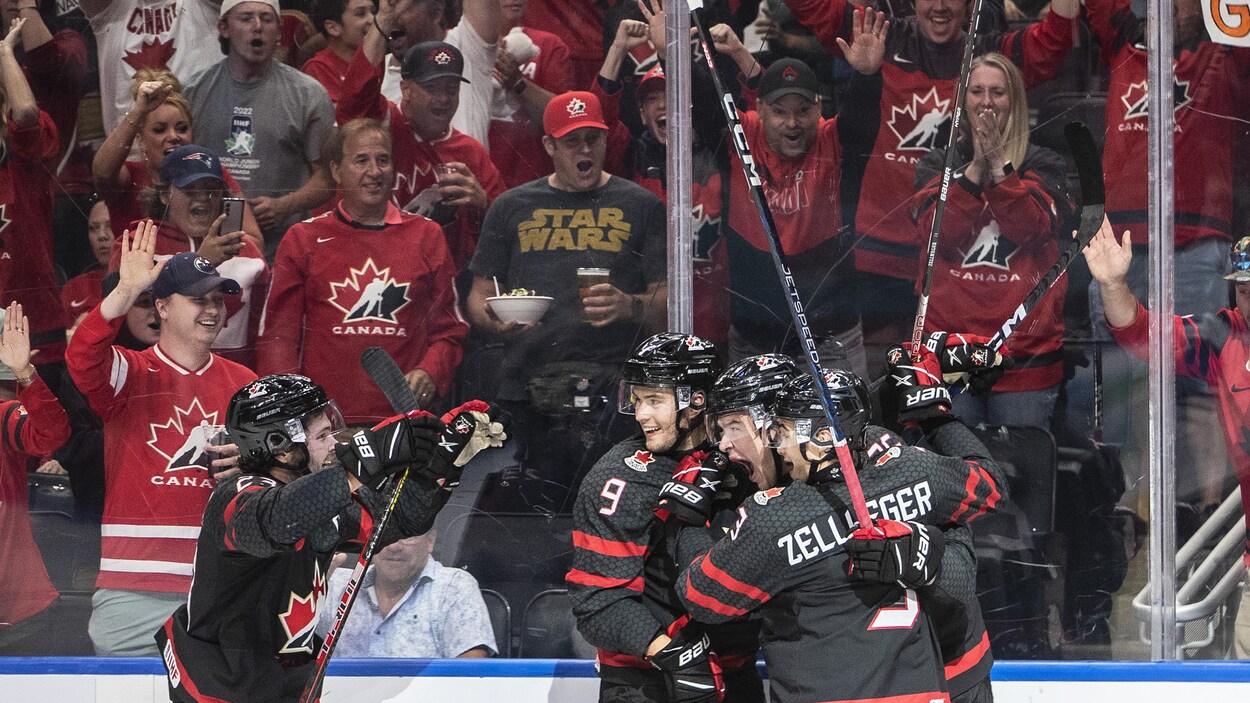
<point x="153" y="54"/>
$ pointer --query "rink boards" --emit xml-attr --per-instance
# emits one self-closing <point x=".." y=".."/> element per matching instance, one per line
<point x="90" y="680"/>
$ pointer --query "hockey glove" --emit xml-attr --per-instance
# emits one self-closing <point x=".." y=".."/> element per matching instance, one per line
<point x="688" y="495"/>
<point x="970" y="356"/>
<point x="467" y="430"/>
<point x="906" y="553"/>
<point x="918" y="385"/>
<point x="692" y="672"/>
<point x="389" y="447"/>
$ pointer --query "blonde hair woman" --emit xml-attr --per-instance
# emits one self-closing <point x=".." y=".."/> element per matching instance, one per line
<point x="1005" y="212"/>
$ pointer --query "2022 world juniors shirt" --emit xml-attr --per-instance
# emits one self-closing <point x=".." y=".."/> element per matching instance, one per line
<point x="156" y="480"/>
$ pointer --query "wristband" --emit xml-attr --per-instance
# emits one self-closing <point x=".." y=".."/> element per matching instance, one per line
<point x="26" y="381"/>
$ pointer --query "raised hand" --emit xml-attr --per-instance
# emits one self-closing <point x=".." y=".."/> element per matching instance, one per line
<point x="15" y="341"/>
<point x="630" y="33"/>
<point x="15" y="33"/>
<point x="866" y="51"/>
<point x="138" y="270"/>
<point x="1108" y="259"/>
<point x="152" y="94"/>
<point x="219" y="247"/>
<point x="653" y="13"/>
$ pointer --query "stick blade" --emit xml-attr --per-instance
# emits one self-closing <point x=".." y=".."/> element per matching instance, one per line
<point x="389" y="379"/>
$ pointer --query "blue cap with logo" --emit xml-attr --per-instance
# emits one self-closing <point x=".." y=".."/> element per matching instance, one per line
<point x="191" y="275"/>
<point x="188" y="164"/>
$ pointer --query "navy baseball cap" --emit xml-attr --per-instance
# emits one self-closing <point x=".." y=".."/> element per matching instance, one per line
<point x="191" y="275"/>
<point x="788" y="77"/>
<point x="188" y="164"/>
<point x="432" y="59"/>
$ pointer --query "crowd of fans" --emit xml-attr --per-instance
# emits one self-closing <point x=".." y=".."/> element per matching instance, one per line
<point x="195" y="193"/>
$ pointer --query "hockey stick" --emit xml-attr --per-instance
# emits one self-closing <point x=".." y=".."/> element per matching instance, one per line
<point x="386" y="375"/>
<point x="948" y="168"/>
<point x="797" y="316"/>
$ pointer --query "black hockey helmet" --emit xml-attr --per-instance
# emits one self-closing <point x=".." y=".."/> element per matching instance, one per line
<point x="270" y="415"/>
<point x="683" y="362"/>
<point x="750" y="386"/>
<point x="799" y="400"/>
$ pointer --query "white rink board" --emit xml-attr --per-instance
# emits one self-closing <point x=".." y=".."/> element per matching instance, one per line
<point x="544" y="681"/>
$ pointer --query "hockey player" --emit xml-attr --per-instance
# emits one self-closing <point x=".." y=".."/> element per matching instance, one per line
<point x="623" y="572"/>
<point x="246" y="631"/>
<point x="742" y="400"/>
<point x="787" y="556"/>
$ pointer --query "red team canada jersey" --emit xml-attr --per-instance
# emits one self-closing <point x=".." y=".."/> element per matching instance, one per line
<point x="330" y="70"/>
<point x="916" y="105"/>
<point x="1216" y="348"/>
<point x="415" y="158"/>
<point x="155" y="469"/>
<point x="582" y="20"/>
<point x="237" y="340"/>
<point x="82" y="292"/>
<point x="26" y="271"/>
<point x="340" y="287"/>
<point x="996" y="243"/>
<point x="34" y="425"/>
<point x="1210" y="87"/>
<point x="516" y="145"/>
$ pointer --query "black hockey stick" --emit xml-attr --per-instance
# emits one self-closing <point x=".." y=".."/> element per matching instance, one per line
<point x="797" y="316"/>
<point x="386" y="375"/>
<point x="948" y="169"/>
<point x="1093" y="197"/>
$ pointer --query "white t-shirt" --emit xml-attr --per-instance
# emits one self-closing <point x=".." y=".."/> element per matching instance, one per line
<point x="473" y="115"/>
<point x="132" y="34"/>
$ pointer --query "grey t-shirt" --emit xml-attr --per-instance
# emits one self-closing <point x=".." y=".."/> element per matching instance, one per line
<point x="536" y="237"/>
<point x="267" y="133"/>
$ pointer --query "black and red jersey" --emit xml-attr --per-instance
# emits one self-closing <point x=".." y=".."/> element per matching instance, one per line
<point x="247" y="629"/>
<point x="916" y="108"/>
<point x="623" y="574"/>
<point x="997" y="241"/>
<point x="785" y="559"/>
<point x="1214" y="347"/>
<point x="1208" y="79"/>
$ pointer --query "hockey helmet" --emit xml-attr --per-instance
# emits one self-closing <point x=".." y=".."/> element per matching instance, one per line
<point x="682" y="362"/>
<point x="749" y="386"/>
<point x="800" y="402"/>
<point x="271" y="415"/>
<point x="1241" y="261"/>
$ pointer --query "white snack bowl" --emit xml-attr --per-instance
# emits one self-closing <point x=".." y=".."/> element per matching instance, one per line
<point x="521" y="309"/>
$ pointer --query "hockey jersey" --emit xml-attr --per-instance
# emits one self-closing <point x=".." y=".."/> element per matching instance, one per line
<point x="785" y="558"/>
<point x="155" y="468"/>
<point x="623" y="571"/>
<point x="1214" y="347"/>
<point x="340" y="287"/>
<point x="247" y="629"/>
<point x="1210" y="85"/>
<point x="916" y="107"/>
<point x="996" y="243"/>
<point x="415" y="158"/>
<point x="33" y="425"/>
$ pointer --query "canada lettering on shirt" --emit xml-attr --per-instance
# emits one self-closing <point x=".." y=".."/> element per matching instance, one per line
<point x="601" y="229"/>
<point x="155" y="22"/>
<point x="180" y="441"/>
<point x="369" y="298"/>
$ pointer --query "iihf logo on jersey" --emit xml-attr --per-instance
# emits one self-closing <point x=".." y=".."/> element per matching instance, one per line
<point x="918" y="124"/>
<point x="640" y="460"/>
<point x="181" y="441"/>
<point x="301" y="615"/>
<point x="369" y="294"/>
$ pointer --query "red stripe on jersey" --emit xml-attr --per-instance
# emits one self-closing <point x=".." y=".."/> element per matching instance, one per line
<point x="184" y="679"/>
<point x="970" y="495"/>
<point x="366" y="522"/>
<point x="932" y="697"/>
<point x="736" y="661"/>
<point x="703" y="600"/>
<point x="607" y="547"/>
<point x="582" y="578"/>
<point x="732" y="583"/>
<point x="607" y="658"/>
<point x="968" y="659"/>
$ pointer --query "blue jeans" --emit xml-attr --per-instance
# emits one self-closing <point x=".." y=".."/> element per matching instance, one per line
<point x="1018" y="408"/>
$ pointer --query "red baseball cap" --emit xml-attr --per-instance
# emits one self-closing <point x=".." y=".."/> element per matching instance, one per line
<point x="651" y="80"/>
<point x="572" y="110"/>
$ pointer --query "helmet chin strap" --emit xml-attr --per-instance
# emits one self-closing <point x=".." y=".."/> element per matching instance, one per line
<point x="829" y="461"/>
<point x="300" y="468"/>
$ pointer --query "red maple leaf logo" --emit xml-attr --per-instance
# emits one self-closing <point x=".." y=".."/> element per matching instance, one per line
<point x="301" y="615"/>
<point x="153" y="54"/>
<point x="181" y="439"/>
<point x="640" y="460"/>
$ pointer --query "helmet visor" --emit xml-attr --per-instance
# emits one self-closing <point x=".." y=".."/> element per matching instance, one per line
<point x="319" y="425"/>
<point x="629" y="396"/>
<point x="788" y="432"/>
<point x="738" y="425"/>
